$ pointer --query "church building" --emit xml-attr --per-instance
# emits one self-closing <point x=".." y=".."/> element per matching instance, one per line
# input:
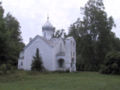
<point x="58" y="54"/>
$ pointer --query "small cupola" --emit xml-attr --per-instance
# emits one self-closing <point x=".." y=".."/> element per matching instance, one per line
<point x="48" y="29"/>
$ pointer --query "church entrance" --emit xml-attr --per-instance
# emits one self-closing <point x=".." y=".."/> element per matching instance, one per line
<point x="61" y="63"/>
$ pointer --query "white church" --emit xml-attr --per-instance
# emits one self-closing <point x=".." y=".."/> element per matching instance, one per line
<point x="52" y="51"/>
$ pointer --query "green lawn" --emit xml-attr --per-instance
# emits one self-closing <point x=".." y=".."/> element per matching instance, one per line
<point x="59" y="81"/>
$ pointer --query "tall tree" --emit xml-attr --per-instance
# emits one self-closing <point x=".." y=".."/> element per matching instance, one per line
<point x="10" y="39"/>
<point x="2" y="37"/>
<point x="14" y="40"/>
<point x="94" y="34"/>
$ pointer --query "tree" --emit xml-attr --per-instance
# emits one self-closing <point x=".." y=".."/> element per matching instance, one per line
<point x="37" y="64"/>
<point x="59" y="34"/>
<point x="3" y="38"/>
<point x="93" y="35"/>
<point x="111" y="64"/>
<point x="14" y="40"/>
<point x="10" y="39"/>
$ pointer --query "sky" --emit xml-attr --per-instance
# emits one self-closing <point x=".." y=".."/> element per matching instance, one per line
<point x="32" y="14"/>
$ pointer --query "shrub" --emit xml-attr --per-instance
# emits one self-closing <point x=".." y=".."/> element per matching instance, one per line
<point x="3" y="69"/>
<point x="67" y="70"/>
<point x="111" y="64"/>
<point x="37" y="64"/>
<point x="80" y="65"/>
<point x="6" y="69"/>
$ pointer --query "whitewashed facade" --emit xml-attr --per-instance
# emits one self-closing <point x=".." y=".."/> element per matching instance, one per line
<point x="51" y="50"/>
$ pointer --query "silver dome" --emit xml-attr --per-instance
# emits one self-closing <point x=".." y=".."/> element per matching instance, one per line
<point x="48" y="25"/>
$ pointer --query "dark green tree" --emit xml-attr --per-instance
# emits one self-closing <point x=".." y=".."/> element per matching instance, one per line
<point x="93" y="35"/>
<point x="37" y="64"/>
<point x="14" y="40"/>
<point x="112" y="63"/>
<point x="60" y="34"/>
<point x="10" y="38"/>
<point x="3" y="44"/>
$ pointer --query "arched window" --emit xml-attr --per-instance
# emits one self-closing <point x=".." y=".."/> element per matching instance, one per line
<point x="60" y="47"/>
<point x="44" y="34"/>
<point x="21" y="63"/>
<point x="72" y="62"/>
<point x="61" y="63"/>
<point x="73" y="43"/>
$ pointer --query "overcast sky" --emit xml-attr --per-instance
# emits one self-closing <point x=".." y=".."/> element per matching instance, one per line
<point x="32" y="14"/>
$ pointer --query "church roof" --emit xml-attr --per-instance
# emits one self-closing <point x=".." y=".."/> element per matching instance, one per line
<point x="52" y="42"/>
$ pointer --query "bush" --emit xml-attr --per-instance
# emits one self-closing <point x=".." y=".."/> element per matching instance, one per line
<point x="6" y="69"/>
<point x="111" y="64"/>
<point x="37" y="64"/>
<point x="3" y="69"/>
<point x="67" y="71"/>
<point x="80" y="64"/>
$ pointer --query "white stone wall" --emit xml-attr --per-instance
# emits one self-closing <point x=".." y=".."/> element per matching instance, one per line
<point x="60" y="47"/>
<point x="21" y="60"/>
<point x="45" y="51"/>
<point x="70" y="53"/>
<point x="48" y="54"/>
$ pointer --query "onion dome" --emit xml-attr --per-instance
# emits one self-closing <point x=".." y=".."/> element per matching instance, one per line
<point x="48" y="25"/>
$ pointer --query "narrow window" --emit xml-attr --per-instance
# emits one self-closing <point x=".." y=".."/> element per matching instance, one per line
<point x="21" y="63"/>
<point x="44" y="34"/>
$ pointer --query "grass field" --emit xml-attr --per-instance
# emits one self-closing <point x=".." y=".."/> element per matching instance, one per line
<point x="59" y="81"/>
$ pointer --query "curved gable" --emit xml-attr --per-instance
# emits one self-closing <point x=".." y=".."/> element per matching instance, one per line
<point x="38" y="38"/>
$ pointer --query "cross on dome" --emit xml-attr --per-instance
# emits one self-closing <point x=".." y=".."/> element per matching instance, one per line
<point x="47" y="24"/>
<point x="47" y="18"/>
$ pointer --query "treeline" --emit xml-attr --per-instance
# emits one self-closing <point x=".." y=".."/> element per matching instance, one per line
<point x="10" y="41"/>
<point x="98" y="49"/>
<point x="95" y="39"/>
